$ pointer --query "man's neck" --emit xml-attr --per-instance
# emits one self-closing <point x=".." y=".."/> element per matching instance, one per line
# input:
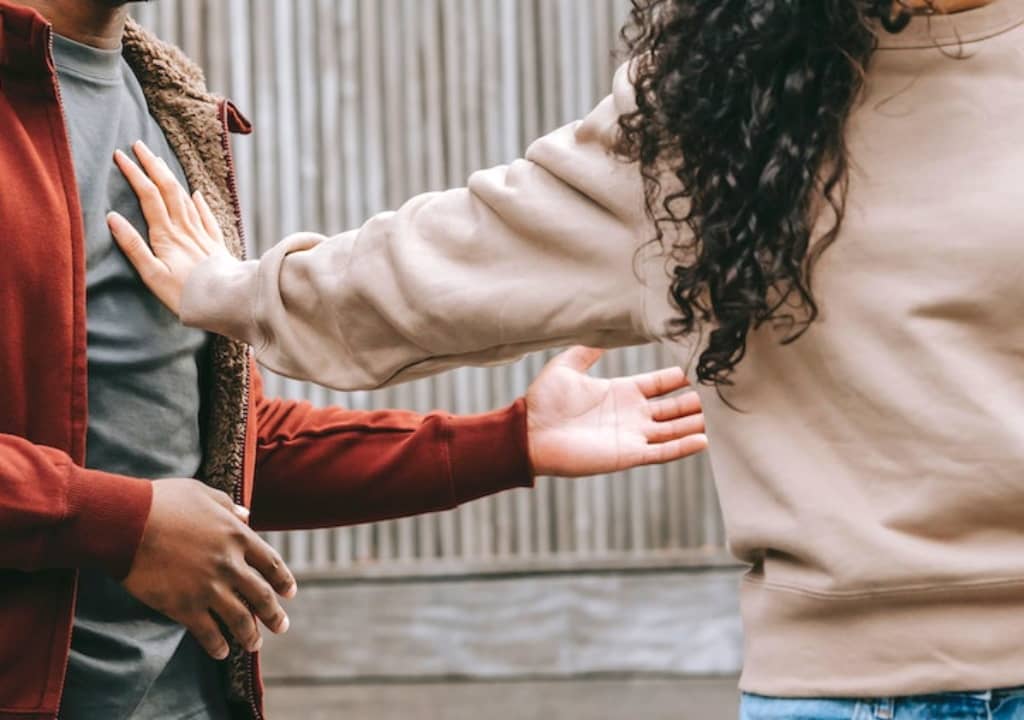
<point x="90" y="22"/>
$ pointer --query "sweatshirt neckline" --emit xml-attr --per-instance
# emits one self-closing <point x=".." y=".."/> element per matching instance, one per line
<point x="930" y="31"/>
<point x="86" y="61"/>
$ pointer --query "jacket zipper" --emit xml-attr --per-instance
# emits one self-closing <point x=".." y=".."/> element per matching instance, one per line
<point x="238" y="486"/>
<point x="67" y="139"/>
<point x="236" y="206"/>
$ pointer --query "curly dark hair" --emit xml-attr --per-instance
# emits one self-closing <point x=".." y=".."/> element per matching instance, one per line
<point x="746" y="103"/>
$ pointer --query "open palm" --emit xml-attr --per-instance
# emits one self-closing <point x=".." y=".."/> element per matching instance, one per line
<point x="581" y="425"/>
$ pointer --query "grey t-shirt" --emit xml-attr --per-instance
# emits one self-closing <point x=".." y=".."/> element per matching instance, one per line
<point x="128" y="661"/>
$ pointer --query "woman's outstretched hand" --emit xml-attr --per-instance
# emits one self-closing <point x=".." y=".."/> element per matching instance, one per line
<point x="182" y="229"/>
<point x="581" y="425"/>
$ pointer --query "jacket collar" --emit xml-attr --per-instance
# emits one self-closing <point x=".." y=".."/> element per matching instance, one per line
<point x="162" y="67"/>
<point x="165" y="71"/>
<point x="24" y="41"/>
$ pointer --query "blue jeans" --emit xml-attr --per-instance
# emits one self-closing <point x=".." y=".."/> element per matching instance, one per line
<point x="991" y="705"/>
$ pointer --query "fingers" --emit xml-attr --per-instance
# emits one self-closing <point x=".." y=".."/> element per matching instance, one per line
<point x="255" y="589"/>
<point x="661" y="382"/>
<point x="153" y="206"/>
<point x="675" y="429"/>
<point x="579" y="358"/>
<point x="208" y="634"/>
<point x="207" y="218"/>
<point x="678" y="430"/>
<point x="219" y="496"/>
<point x="675" y="407"/>
<point x="675" y="450"/>
<point x="266" y="560"/>
<point x="239" y="620"/>
<point x="175" y="197"/>
<point x="134" y="247"/>
<point x="224" y="500"/>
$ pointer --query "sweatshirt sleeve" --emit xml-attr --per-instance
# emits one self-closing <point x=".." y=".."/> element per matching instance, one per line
<point x="544" y="252"/>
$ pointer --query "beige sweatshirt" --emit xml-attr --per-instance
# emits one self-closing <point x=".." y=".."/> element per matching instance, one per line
<point x="875" y="483"/>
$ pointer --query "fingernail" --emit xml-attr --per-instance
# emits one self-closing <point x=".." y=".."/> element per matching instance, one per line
<point x="291" y="591"/>
<point x="222" y="654"/>
<point x="140" y="146"/>
<point x="255" y="647"/>
<point x="242" y="512"/>
<point x="119" y="154"/>
<point x="285" y="624"/>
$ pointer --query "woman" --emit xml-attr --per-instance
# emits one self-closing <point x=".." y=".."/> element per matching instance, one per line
<point x="817" y="203"/>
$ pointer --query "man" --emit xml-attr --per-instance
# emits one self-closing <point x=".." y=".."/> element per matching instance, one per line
<point x="103" y="392"/>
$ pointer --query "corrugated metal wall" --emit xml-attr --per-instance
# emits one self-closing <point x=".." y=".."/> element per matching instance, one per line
<point x="359" y="104"/>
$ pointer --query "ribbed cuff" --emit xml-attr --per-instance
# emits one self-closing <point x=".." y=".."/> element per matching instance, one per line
<point x="220" y="295"/>
<point x="106" y="517"/>
<point x="490" y="453"/>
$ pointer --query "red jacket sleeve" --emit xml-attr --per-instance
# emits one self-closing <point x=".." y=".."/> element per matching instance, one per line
<point x="54" y="514"/>
<point x="331" y="467"/>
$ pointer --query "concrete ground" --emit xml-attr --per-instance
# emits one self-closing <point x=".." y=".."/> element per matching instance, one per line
<point x="607" y="646"/>
<point x="711" y="698"/>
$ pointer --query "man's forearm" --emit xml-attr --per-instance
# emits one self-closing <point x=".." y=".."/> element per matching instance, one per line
<point x="331" y="467"/>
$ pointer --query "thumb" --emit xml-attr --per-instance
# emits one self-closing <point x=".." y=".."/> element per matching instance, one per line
<point x="579" y="358"/>
<point x="133" y="245"/>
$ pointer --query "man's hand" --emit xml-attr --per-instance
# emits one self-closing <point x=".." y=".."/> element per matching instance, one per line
<point x="198" y="561"/>
<point x="182" y="230"/>
<point x="579" y="425"/>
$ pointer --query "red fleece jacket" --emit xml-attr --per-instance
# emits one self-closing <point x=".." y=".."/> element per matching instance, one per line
<point x="303" y="467"/>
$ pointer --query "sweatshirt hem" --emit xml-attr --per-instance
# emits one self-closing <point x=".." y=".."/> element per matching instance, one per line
<point x="861" y="595"/>
<point x="961" y="639"/>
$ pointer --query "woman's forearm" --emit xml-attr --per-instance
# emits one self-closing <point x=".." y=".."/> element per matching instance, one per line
<point x="548" y="251"/>
<point x="535" y="254"/>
